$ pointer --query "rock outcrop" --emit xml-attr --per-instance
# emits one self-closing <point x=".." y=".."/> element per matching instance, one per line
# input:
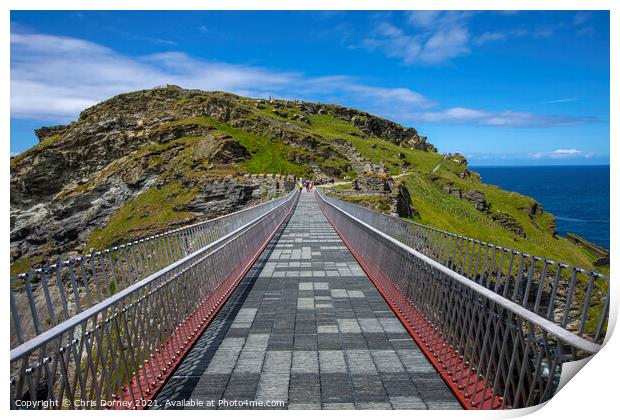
<point x="223" y="150"/>
<point x="401" y="202"/>
<point x="508" y="222"/>
<point x="205" y="143"/>
<point x="477" y="199"/>
<point x="373" y="182"/>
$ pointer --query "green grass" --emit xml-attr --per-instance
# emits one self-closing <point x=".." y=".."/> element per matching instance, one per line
<point x="154" y="208"/>
<point x="181" y="163"/>
<point x="267" y="156"/>
<point x="387" y="152"/>
<point x="25" y="264"/>
<point x="150" y="212"/>
<point x="270" y="112"/>
<point x="447" y="212"/>
<point x="345" y="186"/>
<point x="384" y="151"/>
<point x="378" y="203"/>
<point x="329" y="126"/>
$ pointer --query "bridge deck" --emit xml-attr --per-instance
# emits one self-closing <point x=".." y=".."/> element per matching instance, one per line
<point x="307" y="327"/>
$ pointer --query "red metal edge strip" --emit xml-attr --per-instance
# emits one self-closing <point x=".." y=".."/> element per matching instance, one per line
<point x="416" y="325"/>
<point x="171" y="354"/>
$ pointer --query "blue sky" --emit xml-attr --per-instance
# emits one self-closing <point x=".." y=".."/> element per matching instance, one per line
<point x="500" y="87"/>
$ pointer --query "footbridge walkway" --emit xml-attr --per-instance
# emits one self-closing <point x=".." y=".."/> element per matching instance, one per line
<point x="304" y="302"/>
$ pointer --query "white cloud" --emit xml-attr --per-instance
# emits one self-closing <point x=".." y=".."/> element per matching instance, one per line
<point x="436" y="37"/>
<point x="459" y="115"/>
<point x="445" y="45"/>
<point x="436" y="19"/>
<point x="562" y="154"/>
<point x="560" y="101"/>
<point x="432" y="47"/>
<point x="581" y="17"/>
<point x="54" y="78"/>
<point x="489" y="37"/>
<point x="423" y="18"/>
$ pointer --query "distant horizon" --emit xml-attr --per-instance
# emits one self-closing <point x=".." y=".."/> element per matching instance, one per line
<point x="576" y="195"/>
<point x="544" y="165"/>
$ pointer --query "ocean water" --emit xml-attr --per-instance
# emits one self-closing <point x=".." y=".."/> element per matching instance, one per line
<point x="578" y="196"/>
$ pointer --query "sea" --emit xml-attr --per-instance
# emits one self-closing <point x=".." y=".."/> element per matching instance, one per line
<point x="578" y="196"/>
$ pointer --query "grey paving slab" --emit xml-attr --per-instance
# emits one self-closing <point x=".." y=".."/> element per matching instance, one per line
<point x="307" y="327"/>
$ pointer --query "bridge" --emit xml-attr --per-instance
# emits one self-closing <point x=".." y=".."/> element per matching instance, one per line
<point x="303" y="302"/>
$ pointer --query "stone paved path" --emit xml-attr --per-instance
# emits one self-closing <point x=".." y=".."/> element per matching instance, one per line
<point x="307" y="327"/>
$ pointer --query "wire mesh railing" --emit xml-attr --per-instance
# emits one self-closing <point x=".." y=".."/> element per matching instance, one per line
<point x="570" y="296"/>
<point x="44" y="297"/>
<point x="491" y="351"/>
<point x="117" y="352"/>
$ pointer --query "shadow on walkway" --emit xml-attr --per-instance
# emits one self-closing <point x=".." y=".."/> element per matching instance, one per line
<point x="182" y="383"/>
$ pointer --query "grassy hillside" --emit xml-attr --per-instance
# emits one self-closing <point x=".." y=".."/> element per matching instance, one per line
<point x="445" y="211"/>
<point x="153" y="210"/>
<point x="442" y="210"/>
<point x="281" y="137"/>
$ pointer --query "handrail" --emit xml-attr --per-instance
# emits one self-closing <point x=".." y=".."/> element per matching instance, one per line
<point x="70" y="261"/>
<point x="570" y="296"/>
<point x="59" y="291"/>
<point x="490" y="350"/>
<point x="120" y="351"/>
<point x="59" y="329"/>
<point x="456" y="235"/>
<point x="567" y="336"/>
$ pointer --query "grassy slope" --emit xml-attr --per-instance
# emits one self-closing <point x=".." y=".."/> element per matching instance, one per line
<point x="152" y="210"/>
<point x="385" y="151"/>
<point x="445" y="211"/>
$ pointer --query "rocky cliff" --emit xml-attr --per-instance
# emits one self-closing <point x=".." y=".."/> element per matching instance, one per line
<point x="148" y="161"/>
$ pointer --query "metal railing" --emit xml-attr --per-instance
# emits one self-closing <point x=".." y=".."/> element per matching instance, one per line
<point x="117" y="352"/>
<point x="491" y="351"/>
<point x="44" y="297"/>
<point x="570" y="296"/>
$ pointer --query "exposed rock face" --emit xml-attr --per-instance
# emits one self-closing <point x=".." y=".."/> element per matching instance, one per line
<point x="465" y="173"/>
<point x="509" y="222"/>
<point x="68" y="223"/>
<point x="394" y="197"/>
<point x="373" y="182"/>
<point x="535" y="209"/>
<point x="371" y="125"/>
<point x="46" y="132"/>
<point x="221" y="150"/>
<point x="477" y="199"/>
<point x="221" y="198"/>
<point x="454" y="191"/>
<point x="356" y="161"/>
<point x="402" y="202"/>
<point x="456" y="158"/>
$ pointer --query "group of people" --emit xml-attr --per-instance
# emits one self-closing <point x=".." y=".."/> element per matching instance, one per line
<point x="308" y="184"/>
